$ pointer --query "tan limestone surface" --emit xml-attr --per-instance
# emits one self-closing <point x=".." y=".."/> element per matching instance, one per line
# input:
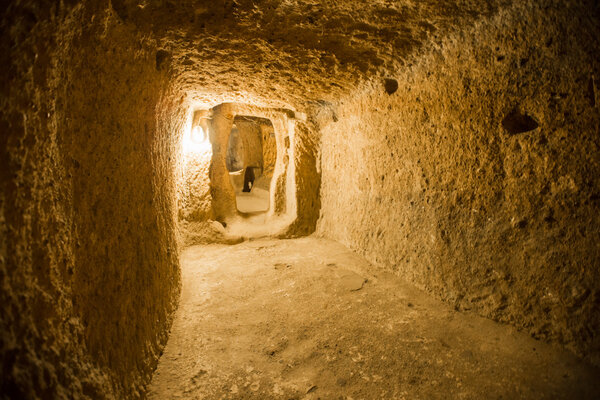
<point x="308" y="319"/>
<point x="448" y="182"/>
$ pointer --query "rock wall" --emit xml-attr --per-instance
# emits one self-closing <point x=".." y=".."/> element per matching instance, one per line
<point x="88" y="258"/>
<point x="251" y="138"/>
<point x="474" y="172"/>
<point x="195" y="201"/>
<point x="308" y="180"/>
<point x="269" y="150"/>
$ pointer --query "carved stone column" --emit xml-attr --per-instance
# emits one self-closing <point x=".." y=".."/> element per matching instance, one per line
<point x="223" y="194"/>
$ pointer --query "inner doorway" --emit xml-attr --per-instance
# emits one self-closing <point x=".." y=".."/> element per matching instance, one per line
<point x="251" y="156"/>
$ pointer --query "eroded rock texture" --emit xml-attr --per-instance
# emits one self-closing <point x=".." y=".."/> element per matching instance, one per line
<point x="195" y="202"/>
<point x="478" y="178"/>
<point x="455" y="143"/>
<point x="89" y="262"/>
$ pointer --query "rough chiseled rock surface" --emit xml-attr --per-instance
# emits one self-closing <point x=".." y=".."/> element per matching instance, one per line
<point x="194" y="190"/>
<point x="291" y="53"/>
<point x="476" y="178"/>
<point x="88" y="258"/>
<point x="440" y="182"/>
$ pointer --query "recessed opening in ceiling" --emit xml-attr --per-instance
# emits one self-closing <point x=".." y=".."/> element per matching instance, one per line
<point x="251" y="156"/>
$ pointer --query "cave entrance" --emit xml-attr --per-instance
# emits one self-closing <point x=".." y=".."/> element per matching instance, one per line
<point x="250" y="161"/>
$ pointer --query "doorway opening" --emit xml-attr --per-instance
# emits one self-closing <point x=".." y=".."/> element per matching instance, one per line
<point x="251" y="158"/>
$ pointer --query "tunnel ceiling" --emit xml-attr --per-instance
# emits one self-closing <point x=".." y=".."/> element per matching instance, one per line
<point x="290" y="53"/>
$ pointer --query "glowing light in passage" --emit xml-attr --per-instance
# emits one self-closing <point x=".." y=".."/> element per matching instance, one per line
<point x="198" y="135"/>
<point x="196" y="141"/>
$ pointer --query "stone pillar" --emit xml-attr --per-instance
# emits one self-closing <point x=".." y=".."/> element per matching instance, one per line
<point x="223" y="194"/>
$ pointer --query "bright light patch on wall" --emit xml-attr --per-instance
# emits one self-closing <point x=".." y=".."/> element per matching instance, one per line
<point x="198" y="135"/>
<point x="196" y="140"/>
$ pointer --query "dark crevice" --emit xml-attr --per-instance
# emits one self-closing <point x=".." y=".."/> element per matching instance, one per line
<point x="516" y="122"/>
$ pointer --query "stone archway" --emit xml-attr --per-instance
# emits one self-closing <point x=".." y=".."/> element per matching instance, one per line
<point x="264" y="137"/>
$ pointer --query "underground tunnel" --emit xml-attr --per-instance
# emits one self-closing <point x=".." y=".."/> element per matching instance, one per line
<point x="300" y="199"/>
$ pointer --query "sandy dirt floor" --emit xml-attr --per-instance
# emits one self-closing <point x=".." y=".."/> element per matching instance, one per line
<point x="255" y="201"/>
<point x="302" y="319"/>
